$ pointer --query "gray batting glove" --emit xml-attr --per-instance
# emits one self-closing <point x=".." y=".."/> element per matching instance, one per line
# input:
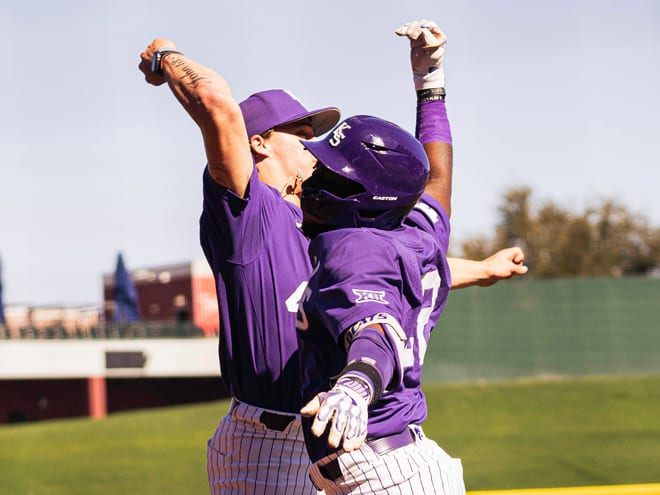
<point x="345" y="408"/>
<point x="427" y="49"/>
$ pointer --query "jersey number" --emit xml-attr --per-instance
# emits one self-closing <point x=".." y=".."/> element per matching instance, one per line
<point x="430" y="282"/>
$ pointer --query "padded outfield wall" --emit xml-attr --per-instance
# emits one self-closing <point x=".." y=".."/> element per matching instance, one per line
<point x="531" y="328"/>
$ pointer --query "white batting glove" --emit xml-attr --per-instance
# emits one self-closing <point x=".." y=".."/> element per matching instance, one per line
<point x="345" y="408"/>
<point x="427" y="49"/>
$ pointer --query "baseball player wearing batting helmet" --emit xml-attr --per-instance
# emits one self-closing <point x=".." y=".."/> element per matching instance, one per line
<point x="250" y="233"/>
<point x="375" y="294"/>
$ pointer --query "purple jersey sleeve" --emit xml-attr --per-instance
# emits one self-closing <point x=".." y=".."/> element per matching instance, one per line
<point x="259" y="259"/>
<point x="430" y="216"/>
<point x="397" y="278"/>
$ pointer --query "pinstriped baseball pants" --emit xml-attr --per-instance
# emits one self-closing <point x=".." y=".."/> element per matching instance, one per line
<point x="246" y="457"/>
<point x="422" y="467"/>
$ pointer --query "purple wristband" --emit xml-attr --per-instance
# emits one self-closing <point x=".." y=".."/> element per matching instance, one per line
<point x="432" y="122"/>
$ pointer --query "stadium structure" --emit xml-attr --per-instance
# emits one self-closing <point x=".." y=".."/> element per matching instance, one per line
<point x="80" y="361"/>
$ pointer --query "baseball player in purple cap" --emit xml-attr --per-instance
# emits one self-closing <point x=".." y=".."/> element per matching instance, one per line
<point x="249" y="230"/>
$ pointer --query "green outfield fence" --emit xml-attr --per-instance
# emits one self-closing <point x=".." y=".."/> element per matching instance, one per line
<point x="564" y="327"/>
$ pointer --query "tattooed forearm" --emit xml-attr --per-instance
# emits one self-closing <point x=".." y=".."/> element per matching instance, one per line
<point x="188" y="72"/>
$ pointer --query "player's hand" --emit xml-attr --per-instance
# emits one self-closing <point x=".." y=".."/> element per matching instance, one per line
<point x="147" y="55"/>
<point x="345" y="410"/>
<point x="504" y="264"/>
<point x="427" y="50"/>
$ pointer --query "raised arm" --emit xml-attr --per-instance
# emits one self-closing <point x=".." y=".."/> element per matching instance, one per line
<point x="206" y="96"/>
<point x="427" y="50"/>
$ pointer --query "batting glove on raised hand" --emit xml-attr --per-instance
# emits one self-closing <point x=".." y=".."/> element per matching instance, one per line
<point x="345" y="408"/>
<point x="427" y="49"/>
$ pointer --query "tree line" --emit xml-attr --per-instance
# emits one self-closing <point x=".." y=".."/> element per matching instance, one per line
<point x="603" y="240"/>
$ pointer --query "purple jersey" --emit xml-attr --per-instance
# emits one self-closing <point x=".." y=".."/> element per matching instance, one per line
<point x="259" y="259"/>
<point x="399" y="278"/>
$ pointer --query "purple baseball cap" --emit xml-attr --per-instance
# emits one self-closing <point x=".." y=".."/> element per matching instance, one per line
<point x="276" y="107"/>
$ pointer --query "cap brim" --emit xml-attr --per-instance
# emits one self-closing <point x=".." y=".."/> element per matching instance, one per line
<point x="322" y="120"/>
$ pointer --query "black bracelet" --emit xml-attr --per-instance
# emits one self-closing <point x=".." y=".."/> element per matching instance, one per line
<point x="159" y="56"/>
<point x="431" y="94"/>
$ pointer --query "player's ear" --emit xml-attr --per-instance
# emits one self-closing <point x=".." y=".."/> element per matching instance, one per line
<point x="258" y="145"/>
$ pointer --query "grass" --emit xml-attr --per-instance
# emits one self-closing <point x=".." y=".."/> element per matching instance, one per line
<point x="534" y="434"/>
<point x="151" y="451"/>
<point x="516" y="434"/>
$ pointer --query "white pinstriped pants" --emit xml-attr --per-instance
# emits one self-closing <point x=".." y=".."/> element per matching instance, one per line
<point x="422" y="467"/>
<point x="245" y="457"/>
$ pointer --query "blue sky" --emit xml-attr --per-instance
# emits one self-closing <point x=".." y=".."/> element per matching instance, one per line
<point x="558" y="96"/>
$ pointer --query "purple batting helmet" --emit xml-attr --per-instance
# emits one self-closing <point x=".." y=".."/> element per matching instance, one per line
<point x="276" y="107"/>
<point x="370" y="173"/>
